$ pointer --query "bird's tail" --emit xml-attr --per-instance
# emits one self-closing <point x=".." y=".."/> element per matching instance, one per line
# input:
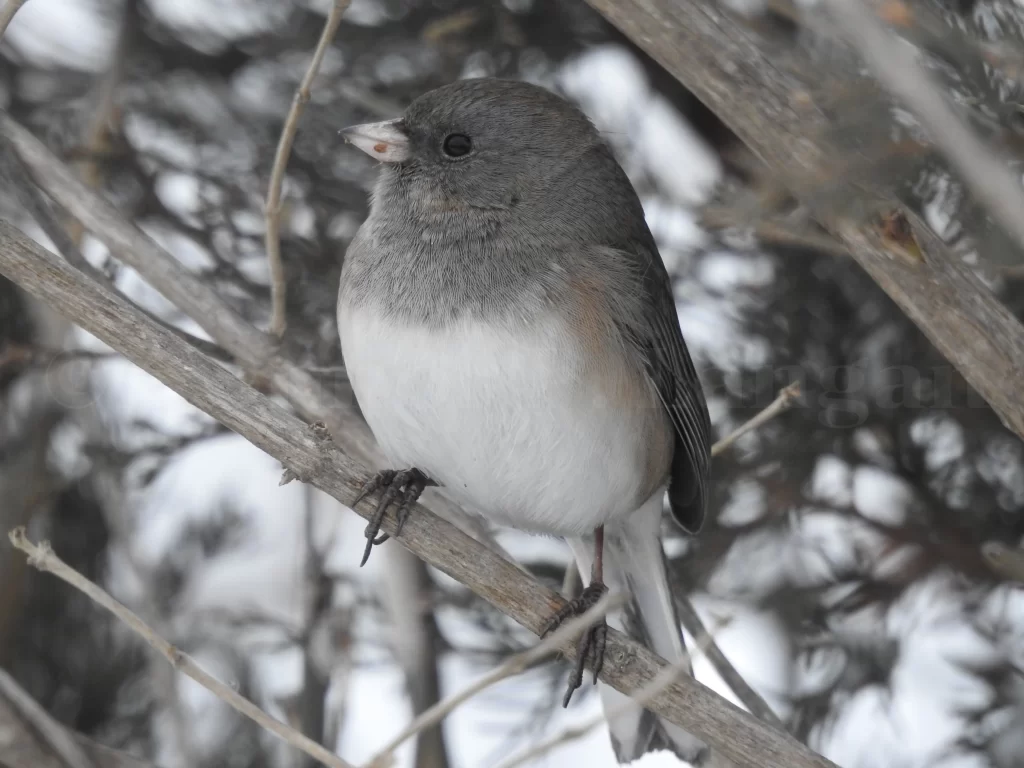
<point x="634" y="565"/>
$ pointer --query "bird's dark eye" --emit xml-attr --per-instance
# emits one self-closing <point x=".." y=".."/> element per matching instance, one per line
<point x="457" y="145"/>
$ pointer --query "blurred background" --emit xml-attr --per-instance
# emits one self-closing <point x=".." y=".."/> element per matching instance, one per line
<point x="845" y="551"/>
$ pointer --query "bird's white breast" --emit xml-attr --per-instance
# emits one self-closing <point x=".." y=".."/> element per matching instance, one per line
<point x="512" y="421"/>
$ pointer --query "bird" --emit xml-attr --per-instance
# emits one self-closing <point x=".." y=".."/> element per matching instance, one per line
<point x="510" y="333"/>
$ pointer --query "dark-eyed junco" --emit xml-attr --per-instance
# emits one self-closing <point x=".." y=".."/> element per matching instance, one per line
<point x="510" y="334"/>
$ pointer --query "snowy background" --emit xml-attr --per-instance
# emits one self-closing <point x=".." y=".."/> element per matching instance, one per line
<point x="844" y="550"/>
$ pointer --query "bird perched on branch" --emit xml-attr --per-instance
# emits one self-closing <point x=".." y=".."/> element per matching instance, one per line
<point x="509" y="331"/>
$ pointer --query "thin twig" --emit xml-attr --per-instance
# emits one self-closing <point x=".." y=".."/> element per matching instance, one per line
<point x="511" y="667"/>
<point x="96" y="127"/>
<point x="284" y="149"/>
<point x="895" y="66"/>
<point x="7" y="13"/>
<point x="658" y="683"/>
<point x="1004" y="560"/>
<point x="773" y="231"/>
<point x="787" y="396"/>
<point x="43" y="558"/>
<point x="62" y="743"/>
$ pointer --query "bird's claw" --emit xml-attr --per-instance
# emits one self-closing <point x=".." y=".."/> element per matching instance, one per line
<point x="591" y="644"/>
<point x="401" y="486"/>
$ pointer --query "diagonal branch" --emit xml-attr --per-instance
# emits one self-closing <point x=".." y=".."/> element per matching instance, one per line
<point x="770" y="95"/>
<point x="894" y="65"/>
<point x="511" y="667"/>
<point x="726" y="728"/>
<point x="36" y="740"/>
<point x="254" y="350"/>
<point x="43" y="558"/>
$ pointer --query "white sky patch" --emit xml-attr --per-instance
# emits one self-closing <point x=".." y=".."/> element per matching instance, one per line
<point x="674" y="226"/>
<point x="753" y="567"/>
<point x="179" y="192"/>
<point x="1001" y="466"/>
<point x="150" y="136"/>
<point x="63" y="33"/>
<point x="688" y="171"/>
<point x="262" y="571"/>
<point x="881" y="496"/>
<point x="725" y="271"/>
<point x="941" y="437"/>
<point x="753" y="640"/>
<point x="747" y="503"/>
<point x="827" y="544"/>
<point x="210" y="24"/>
<point x="831" y="481"/>
<point x="611" y="87"/>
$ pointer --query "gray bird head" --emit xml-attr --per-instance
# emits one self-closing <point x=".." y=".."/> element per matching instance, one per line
<point x="484" y="144"/>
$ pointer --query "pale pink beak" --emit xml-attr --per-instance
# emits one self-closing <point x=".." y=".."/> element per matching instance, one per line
<point x="385" y="141"/>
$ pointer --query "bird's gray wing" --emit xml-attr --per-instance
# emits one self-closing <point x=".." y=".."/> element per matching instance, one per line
<point x="656" y="335"/>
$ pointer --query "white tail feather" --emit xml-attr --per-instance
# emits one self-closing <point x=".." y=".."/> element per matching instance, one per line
<point x="634" y="565"/>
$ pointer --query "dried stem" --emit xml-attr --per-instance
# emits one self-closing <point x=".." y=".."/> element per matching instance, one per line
<point x="284" y="149"/>
<point x="43" y="558"/>
<point x="512" y="666"/>
<point x="786" y="397"/>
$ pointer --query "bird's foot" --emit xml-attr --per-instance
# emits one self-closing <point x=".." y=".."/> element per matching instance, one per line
<point x="590" y="646"/>
<point x="402" y="487"/>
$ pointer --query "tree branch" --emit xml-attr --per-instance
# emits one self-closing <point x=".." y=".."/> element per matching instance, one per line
<point x="724" y="727"/>
<point x="278" y="288"/>
<point x="43" y="558"/>
<point x="680" y="668"/>
<point x="254" y="350"/>
<point x="770" y="95"/>
<point x="35" y="740"/>
<point x="895" y="66"/>
<point x="511" y="667"/>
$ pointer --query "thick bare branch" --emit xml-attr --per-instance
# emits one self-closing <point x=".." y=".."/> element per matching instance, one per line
<point x="628" y="668"/>
<point x="769" y="95"/>
<point x="895" y="65"/>
<point x="680" y="668"/>
<point x="254" y="350"/>
<point x="284" y="149"/>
